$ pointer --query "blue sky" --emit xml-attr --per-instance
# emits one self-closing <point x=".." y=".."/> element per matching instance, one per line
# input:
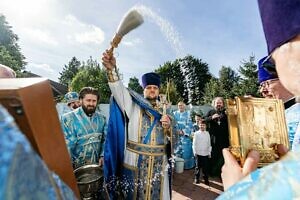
<point x="219" y="32"/>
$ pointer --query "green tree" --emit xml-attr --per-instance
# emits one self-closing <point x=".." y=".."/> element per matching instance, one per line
<point x="7" y="59"/>
<point x="198" y="75"/>
<point x="91" y="75"/>
<point x="189" y="76"/>
<point x="69" y="71"/>
<point x="135" y="85"/>
<point x="249" y="81"/>
<point x="212" y="89"/>
<point x="228" y="79"/>
<point x="170" y="90"/>
<point x="10" y="52"/>
<point x="170" y="71"/>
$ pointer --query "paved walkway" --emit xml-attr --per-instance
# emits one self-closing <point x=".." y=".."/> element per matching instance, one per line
<point x="184" y="188"/>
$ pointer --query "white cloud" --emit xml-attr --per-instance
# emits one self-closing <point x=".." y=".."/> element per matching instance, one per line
<point x="40" y="68"/>
<point x="43" y="70"/>
<point x="132" y="42"/>
<point x="94" y="36"/>
<point x="41" y="36"/>
<point x="29" y="13"/>
<point x="49" y="33"/>
<point x="82" y="33"/>
<point x="70" y="20"/>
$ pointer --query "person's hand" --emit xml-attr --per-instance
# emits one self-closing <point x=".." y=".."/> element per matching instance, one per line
<point x="209" y="156"/>
<point x="280" y="149"/>
<point x="180" y="132"/>
<point x="165" y="121"/>
<point x="101" y="161"/>
<point x="215" y="116"/>
<point x="232" y="171"/>
<point x="192" y="136"/>
<point x="108" y="60"/>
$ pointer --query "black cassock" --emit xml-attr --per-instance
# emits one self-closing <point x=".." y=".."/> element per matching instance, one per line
<point x="218" y="129"/>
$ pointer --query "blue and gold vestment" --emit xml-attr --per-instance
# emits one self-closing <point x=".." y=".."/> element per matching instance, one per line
<point x="183" y="148"/>
<point x="23" y="174"/>
<point x="279" y="180"/>
<point x="84" y="136"/>
<point x="141" y="149"/>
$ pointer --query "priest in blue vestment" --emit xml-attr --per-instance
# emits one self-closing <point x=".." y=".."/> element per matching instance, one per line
<point x="137" y="147"/>
<point x="184" y="127"/>
<point x="85" y="130"/>
<point x="23" y="174"/>
<point x="71" y="102"/>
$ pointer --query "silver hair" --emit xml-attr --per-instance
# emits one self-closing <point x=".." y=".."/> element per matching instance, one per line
<point x="214" y="100"/>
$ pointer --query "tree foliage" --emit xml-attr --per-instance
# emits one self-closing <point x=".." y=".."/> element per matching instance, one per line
<point x="10" y="51"/>
<point x="7" y="59"/>
<point x="91" y="75"/>
<point x="249" y="81"/>
<point x="170" y="71"/>
<point x="135" y="85"/>
<point x="188" y="75"/>
<point x="169" y="89"/>
<point x="212" y="89"/>
<point x="189" y="80"/>
<point x="69" y="71"/>
<point x="198" y="75"/>
<point x="228" y="79"/>
<point x="231" y="83"/>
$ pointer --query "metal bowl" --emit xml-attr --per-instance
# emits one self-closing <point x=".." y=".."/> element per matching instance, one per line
<point x="89" y="180"/>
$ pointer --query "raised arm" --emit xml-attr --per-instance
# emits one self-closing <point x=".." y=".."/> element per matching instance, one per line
<point x="117" y="88"/>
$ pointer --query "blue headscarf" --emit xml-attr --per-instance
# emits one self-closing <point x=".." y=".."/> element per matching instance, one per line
<point x="263" y="74"/>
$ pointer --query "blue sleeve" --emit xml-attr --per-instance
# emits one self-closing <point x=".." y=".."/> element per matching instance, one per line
<point x="69" y="133"/>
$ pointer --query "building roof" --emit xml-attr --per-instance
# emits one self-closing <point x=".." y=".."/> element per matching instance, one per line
<point x="58" y="89"/>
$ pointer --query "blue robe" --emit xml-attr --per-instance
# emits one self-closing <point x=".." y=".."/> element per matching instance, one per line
<point x="23" y="175"/>
<point x="183" y="148"/>
<point x="280" y="180"/>
<point x="84" y="136"/>
<point x="292" y="115"/>
<point x="135" y="139"/>
<point x="62" y="108"/>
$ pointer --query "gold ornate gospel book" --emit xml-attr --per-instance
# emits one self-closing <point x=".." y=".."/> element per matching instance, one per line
<point x="256" y="123"/>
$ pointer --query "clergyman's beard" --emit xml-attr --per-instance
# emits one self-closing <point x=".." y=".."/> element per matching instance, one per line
<point x="89" y="110"/>
<point x="152" y="101"/>
<point x="219" y="108"/>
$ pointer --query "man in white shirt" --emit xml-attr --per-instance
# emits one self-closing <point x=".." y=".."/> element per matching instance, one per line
<point x="202" y="152"/>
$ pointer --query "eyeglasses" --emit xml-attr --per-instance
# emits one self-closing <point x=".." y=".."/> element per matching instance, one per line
<point x="267" y="83"/>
